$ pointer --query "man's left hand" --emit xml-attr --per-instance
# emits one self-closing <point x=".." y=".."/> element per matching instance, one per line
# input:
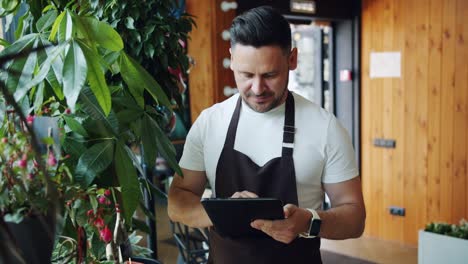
<point x="297" y="220"/>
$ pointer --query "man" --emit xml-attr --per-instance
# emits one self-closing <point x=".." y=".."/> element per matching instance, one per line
<point x="269" y="142"/>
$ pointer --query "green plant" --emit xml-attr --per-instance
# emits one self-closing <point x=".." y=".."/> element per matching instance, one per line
<point x="155" y="33"/>
<point x="103" y="119"/>
<point x="23" y="185"/>
<point x="65" y="63"/>
<point x="459" y="231"/>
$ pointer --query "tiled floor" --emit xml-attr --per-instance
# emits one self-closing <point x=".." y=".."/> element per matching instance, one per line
<point x="365" y="248"/>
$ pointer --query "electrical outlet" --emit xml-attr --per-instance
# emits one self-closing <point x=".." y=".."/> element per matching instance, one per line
<point x="395" y="210"/>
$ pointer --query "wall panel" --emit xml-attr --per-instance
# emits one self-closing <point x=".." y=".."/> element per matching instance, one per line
<point x="425" y="111"/>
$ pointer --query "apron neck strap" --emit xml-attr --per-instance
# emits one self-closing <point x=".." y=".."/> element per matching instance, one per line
<point x="289" y="129"/>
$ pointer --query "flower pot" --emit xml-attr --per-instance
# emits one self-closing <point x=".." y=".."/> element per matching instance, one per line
<point x="34" y="238"/>
<point x="436" y="248"/>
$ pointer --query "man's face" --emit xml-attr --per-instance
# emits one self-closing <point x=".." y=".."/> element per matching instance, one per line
<point x="261" y="74"/>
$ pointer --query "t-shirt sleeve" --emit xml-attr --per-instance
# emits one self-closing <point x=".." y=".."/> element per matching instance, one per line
<point x="340" y="157"/>
<point x="192" y="156"/>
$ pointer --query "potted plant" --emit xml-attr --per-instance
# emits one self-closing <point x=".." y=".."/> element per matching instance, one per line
<point x="67" y="63"/>
<point x="443" y="243"/>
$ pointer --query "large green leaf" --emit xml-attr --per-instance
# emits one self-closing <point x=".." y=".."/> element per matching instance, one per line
<point x="163" y="145"/>
<point x="74" y="73"/>
<point x="128" y="180"/>
<point x="75" y="126"/>
<point x="46" y="20"/>
<point x="73" y="146"/>
<point x="52" y="54"/>
<point x="136" y="77"/>
<point x="129" y="73"/>
<point x="54" y="84"/>
<point x="26" y="66"/>
<point x="128" y="115"/>
<point x="93" y="161"/>
<point x="66" y="28"/>
<point x="54" y="76"/>
<point x="4" y="43"/>
<point x="91" y="107"/>
<point x="21" y="67"/>
<point x="8" y="5"/>
<point x="39" y="95"/>
<point x="56" y="25"/>
<point x="136" y="160"/>
<point x="99" y="32"/>
<point x="96" y="78"/>
<point x="148" y="139"/>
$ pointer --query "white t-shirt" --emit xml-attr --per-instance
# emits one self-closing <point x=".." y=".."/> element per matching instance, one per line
<point x="323" y="152"/>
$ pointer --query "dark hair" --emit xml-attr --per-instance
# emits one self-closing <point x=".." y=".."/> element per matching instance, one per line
<point x="261" y="26"/>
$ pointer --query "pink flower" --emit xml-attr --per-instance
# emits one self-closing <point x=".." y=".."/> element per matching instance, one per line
<point x="176" y="72"/>
<point x="90" y="213"/>
<point x="99" y="222"/>
<point x="22" y="163"/>
<point x="30" y="119"/>
<point x="107" y="192"/>
<point x="105" y="234"/>
<point x="67" y="111"/>
<point x="30" y="176"/>
<point x="52" y="161"/>
<point x="102" y="199"/>
<point x="4" y="140"/>
<point x="182" y="43"/>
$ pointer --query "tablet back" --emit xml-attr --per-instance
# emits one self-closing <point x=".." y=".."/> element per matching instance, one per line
<point x="231" y="217"/>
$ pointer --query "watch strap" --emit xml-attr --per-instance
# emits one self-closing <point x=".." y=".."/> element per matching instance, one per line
<point x="315" y="216"/>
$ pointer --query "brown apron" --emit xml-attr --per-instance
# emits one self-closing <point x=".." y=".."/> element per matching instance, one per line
<point x="277" y="178"/>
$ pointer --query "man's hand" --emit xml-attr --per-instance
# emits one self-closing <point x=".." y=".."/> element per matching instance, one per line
<point x="244" y="194"/>
<point x="297" y="220"/>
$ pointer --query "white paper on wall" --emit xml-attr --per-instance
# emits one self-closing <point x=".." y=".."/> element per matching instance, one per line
<point x="385" y="65"/>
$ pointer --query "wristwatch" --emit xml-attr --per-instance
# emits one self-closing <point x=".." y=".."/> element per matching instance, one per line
<point x="314" y="227"/>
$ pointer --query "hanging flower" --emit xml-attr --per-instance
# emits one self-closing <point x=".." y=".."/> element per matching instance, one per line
<point x="102" y="199"/>
<point x="30" y="119"/>
<point x="99" y="222"/>
<point x="105" y="234"/>
<point x="51" y="160"/>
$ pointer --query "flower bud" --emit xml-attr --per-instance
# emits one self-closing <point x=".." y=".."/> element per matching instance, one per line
<point x="90" y="213"/>
<point x="4" y="140"/>
<point x="102" y="199"/>
<point x="22" y="163"/>
<point x="52" y="161"/>
<point x="107" y="192"/>
<point x="30" y="119"/>
<point x="105" y="234"/>
<point x="99" y="223"/>
<point x="182" y="43"/>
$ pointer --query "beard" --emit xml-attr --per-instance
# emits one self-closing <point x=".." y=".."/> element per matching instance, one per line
<point x="278" y="99"/>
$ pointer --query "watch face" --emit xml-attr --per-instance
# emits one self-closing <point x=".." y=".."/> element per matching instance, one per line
<point x="315" y="227"/>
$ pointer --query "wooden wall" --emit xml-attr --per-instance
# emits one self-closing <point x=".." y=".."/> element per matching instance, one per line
<point x="425" y="111"/>
<point x="208" y="77"/>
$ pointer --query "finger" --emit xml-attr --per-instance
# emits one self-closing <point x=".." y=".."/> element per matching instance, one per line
<point x="247" y="194"/>
<point x="288" y="210"/>
<point x="236" y="195"/>
<point x="257" y="224"/>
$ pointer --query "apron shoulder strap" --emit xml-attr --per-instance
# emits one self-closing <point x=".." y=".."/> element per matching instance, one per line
<point x="289" y="129"/>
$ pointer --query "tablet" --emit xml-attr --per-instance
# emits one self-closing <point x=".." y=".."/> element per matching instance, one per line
<point x="231" y="217"/>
